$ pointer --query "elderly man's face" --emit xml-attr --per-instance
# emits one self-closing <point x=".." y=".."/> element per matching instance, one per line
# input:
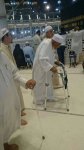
<point x="8" y="38"/>
<point x="55" y="44"/>
<point x="50" y="34"/>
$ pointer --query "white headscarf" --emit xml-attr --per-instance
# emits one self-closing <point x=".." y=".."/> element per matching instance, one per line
<point x="3" y="32"/>
<point x="58" y="38"/>
<point x="48" y="28"/>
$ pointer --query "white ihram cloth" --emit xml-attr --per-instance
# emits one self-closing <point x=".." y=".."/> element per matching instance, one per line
<point x="10" y="110"/>
<point x="43" y="62"/>
<point x="6" y="49"/>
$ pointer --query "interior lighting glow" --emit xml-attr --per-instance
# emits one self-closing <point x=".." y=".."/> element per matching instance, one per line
<point x="13" y="33"/>
<point x="56" y="9"/>
<point x="13" y="3"/>
<point x="47" y="7"/>
<point x="45" y="2"/>
<point x="59" y="2"/>
<point x="22" y="32"/>
<point x="28" y="3"/>
<point x="28" y="31"/>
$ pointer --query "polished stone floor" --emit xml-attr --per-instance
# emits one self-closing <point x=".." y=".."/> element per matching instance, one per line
<point x="62" y="130"/>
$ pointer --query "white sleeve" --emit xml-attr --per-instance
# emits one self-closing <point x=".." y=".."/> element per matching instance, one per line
<point x="13" y="69"/>
<point x="22" y="81"/>
<point x="45" y="64"/>
<point x="16" y="75"/>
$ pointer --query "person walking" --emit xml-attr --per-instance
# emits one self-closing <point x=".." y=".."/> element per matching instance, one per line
<point x="43" y="67"/>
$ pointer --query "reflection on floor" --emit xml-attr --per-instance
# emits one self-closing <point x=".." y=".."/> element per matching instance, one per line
<point x="62" y="130"/>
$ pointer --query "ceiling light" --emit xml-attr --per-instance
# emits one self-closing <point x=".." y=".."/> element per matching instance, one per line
<point x="45" y="2"/>
<point x="47" y="7"/>
<point x="59" y="2"/>
<point x="13" y="33"/>
<point x="56" y="9"/>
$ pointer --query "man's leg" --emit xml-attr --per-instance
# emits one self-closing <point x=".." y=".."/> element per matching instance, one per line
<point x="70" y="61"/>
<point x="75" y="60"/>
<point x="83" y="65"/>
<point x="10" y="147"/>
<point x="74" y="63"/>
<point x="23" y="113"/>
<point x="23" y="122"/>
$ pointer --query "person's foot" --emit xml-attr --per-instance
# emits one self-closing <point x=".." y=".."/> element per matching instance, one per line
<point x="23" y="122"/>
<point x="23" y="113"/>
<point x="11" y="147"/>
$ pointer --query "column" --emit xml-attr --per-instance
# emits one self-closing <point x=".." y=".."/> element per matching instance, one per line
<point x="3" y="20"/>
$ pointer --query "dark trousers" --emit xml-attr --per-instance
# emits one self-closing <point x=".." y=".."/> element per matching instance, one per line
<point x="60" y="52"/>
<point x="72" y="58"/>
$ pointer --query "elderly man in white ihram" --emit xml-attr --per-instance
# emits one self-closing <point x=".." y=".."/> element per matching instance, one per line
<point x="43" y="67"/>
<point x="10" y="108"/>
<point x="6" y="40"/>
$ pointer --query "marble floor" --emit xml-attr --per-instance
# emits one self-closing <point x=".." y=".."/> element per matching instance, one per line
<point x="62" y="130"/>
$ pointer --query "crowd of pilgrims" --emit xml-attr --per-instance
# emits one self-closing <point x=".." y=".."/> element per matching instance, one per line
<point x="24" y="56"/>
<point x="40" y="56"/>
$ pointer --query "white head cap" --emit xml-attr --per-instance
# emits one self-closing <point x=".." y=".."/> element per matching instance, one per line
<point x="3" y="32"/>
<point x="48" y="28"/>
<point x="58" y="38"/>
<point x="27" y="42"/>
